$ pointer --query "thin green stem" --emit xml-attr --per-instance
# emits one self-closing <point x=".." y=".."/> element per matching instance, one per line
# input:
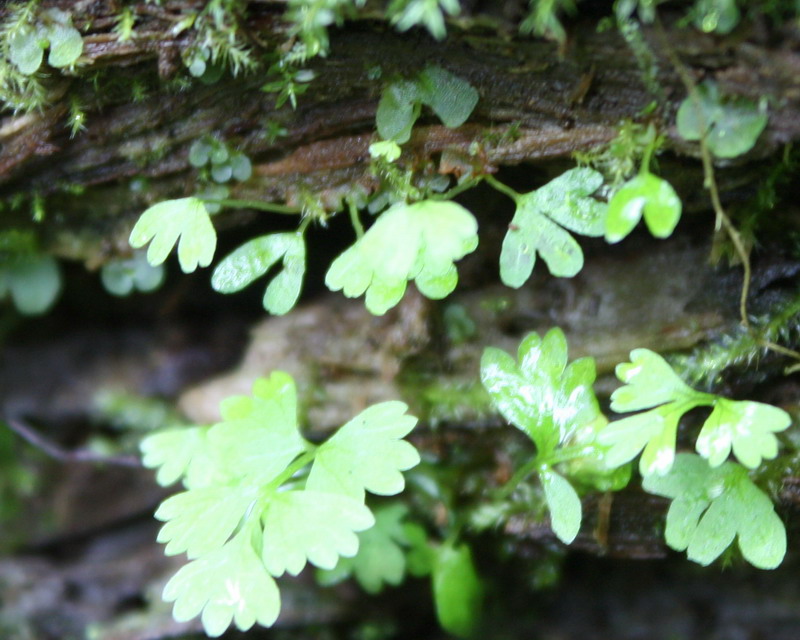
<point x="502" y="188"/>
<point x="270" y="207"/>
<point x="459" y="188"/>
<point x="304" y="224"/>
<point x="293" y="468"/>
<point x="523" y="472"/>
<point x="723" y="221"/>
<point x="355" y="220"/>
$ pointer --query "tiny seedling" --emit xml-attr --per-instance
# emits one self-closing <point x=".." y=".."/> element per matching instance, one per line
<point x="451" y="99"/>
<point x="53" y="30"/>
<point x="729" y="126"/>
<point x="553" y="403"/>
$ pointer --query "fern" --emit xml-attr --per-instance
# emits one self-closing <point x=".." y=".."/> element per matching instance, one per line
<point x="261" y="500"/>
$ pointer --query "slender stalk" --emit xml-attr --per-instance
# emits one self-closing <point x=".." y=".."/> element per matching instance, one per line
<point x="459" y="188"/>
<point x="270" y="207"/>
<point x="355" y="220"/>
<point x="56" y="451"/>
<point x="502" y="188"/>
<point x="293" y="468"/>
<point x="723" y="221"/>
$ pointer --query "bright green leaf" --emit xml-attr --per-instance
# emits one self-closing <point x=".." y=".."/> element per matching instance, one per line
<point x="543" y="396"/>
<point x="174" y="451"/>
<point x="649" y="381"/>
<point x="228" y="584"/>
<point x="387" y="149"/>
<point x="201" y="520"/>
<point x="367" y="453"/>
<point x="418" y="241"/>
<point x="646" y="194"/>
<point x="451" y="98"/>
<point x="563" y="503"/>
<point x="311" y="526"/>
<point x="566" y="200"/>
<point x="652" y="433"/>
<point x="731" y="126"/>
<point x="747" y="427"/>
<point x="457" y="590"/>
<point x="254" y="258"/>
<point x="535" y="227"/>
<point x="164" y="223"/>
<point x="259" y="436"/>
<point x="712" y="506"/>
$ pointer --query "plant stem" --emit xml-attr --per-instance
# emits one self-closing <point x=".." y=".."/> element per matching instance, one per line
<point x="355" y="220"/>
<point x="523" y="472"/>
<point x="502" y="188"/>
<point x="459" y="188"/>
<point x="270" y="207"/>
<point x="293" y="468"/>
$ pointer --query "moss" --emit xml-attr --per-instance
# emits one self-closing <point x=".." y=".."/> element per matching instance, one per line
<point x="439" y="399"/>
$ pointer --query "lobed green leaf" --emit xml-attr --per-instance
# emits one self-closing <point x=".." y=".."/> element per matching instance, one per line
<point x="254" y="258"/>
<point x="731" y="127"/>
<point x="227" y="585"/>
<point x="201" y="520"/>
<point x="645" y="194"/>
<point x="713" y="506"/>
<point x="367" y="453"/>
<point x="649" y="381"/>
<point x="451" y="98"/>
<point x="174" y="452"/>
<point x="418" y="241"/>
<point x="398" y="110"/>
<point x="258" y="436"/>
<point x="121" y="277"/>
<point x="746" y="427"/>
<point x="381" y="557"/>
<point x="537" y="226"/>
<point x="163" y="224"/>
<point x="312" y="526"/>
<point x="542" y="396"/>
